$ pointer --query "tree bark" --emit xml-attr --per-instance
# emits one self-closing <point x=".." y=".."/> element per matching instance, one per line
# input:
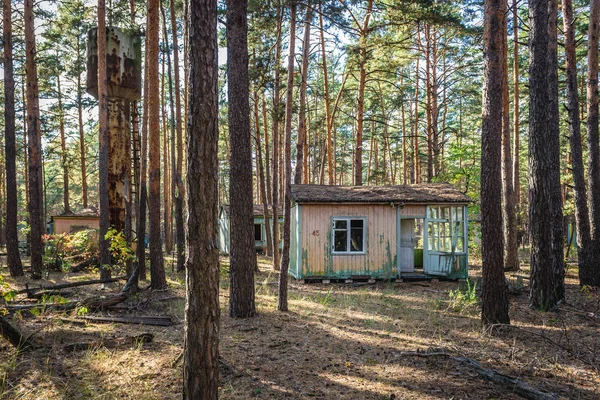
<point x="301" y="159"/>
<point x="178" y="179"/>
<point x="282" y="303"/>
<point x="84" y="186"/>
<point x="35" y="145"/>
<point x="553" y="147"/>
<point x="201" y="355"/>
<point x="276" y="151"/>
<point x="415" y="173"/>
<point x="362" y="82"/>
<point x="584" y="240"/>
<point x="494" y="293"/>
<point x="261" y="174"/>
<point x="63" y="147"/>
<point x="544" y="293"/>
<point x="592" y="139"/>
<point x="515" y="169"/>
<point x="165" y="154"/>
<point x="509" y="220"/>
<point x="157" y="268"/>
<point x="104" y="139"/>
<point x="10" y="151"/>
<point x="330" y="168"/>
<point x="242" y="253"/>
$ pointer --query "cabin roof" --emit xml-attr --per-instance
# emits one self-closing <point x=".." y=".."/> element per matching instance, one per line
<point x="258" y="210"/>
<point x="91" y="212"/>
<point x="419" y="193"/>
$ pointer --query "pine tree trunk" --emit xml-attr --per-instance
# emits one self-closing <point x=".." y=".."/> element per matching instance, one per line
<point x="494" y="293"/>
<point x="592" y="139"/>
<point x="362" y="82"/>
<point x="553" y="147"/>
<point x="509" y="221"/>
<point x="35" y="145"/>
<point x="515" y="169"/>
<point x="63" y="147"/>
<point x="584" y="240"/>
<point x="415" y="173"/>
<point x="282" y="304"/>
<point x="330" y="167"/>
<point x="143" y="188"/>
<point x="165" y="157"/>
<point x="269" y="188"/>
<point x="242" y="253"/>
<point x="300" y="176"/>
<point x="202" y="312"/>
<point x="261" y="175"/>
<point x="543" y="293"/>
<point x="84" y="188"/>
<point x="178" y="179"/>
<point x="157" y="268"/>
<point x="276" y="151"/>
<point x="103" y="135"/>
<point x="10" y="152"/>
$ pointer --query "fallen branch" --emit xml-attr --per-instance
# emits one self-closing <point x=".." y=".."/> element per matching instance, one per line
<point x="518" y="386"/>
<point x="13" y="335"/>
<point x="69" y="285"/>
<point x="132" y="340"/>
<point x="137" y="320"/>
<point x="91" y="303"/>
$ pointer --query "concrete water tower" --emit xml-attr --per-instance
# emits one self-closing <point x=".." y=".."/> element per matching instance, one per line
<point x="124" y="76"/>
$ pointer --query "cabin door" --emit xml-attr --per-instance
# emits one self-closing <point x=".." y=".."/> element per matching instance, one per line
<point x="407" y="245"/>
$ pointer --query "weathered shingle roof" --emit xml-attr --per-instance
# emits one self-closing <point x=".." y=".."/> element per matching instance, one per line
<point x="421" y="193"/>
<point x="259" y="211"/>
<point x="86" y="212"/>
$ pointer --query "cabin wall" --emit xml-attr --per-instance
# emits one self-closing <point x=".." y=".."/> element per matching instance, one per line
<point x="315" y="239"/>
<point x="65" y="225"/>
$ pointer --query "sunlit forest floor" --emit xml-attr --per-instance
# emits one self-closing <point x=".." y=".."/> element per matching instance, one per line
<point x="338" y="341"/>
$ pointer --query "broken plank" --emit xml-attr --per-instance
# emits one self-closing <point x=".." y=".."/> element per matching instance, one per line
<point x="156" y="321"/>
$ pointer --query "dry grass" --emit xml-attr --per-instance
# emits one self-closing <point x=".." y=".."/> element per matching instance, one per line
<point x="337" y="342"/>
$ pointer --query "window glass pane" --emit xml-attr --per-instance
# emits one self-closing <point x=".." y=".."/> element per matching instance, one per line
<point x="445" y="213"/>
<point x="340" y="240"/>
<point x="356" y="223"/>
<point x="257" y="232"/>
<point x="460" y="246"/>
<point x="432" y="230"/>
<point x="433" y="212"/>
<point x="459" y="214"/>
<point x="433" y="244"/>
<point x="356" y="239"/>
<point x="340" y="224"/>
<point x="444" y="229"/>
<point x="446" y="244"/>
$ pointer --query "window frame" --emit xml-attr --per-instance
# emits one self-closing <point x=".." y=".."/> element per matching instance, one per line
<point x="348" y="220"/>
<point x="435" y="217"/>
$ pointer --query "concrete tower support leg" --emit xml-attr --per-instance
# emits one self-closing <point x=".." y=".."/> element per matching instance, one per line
<point x="118" y="153"/>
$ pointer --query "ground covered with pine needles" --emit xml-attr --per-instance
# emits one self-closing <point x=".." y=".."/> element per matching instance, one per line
<point x="338" y="341"/>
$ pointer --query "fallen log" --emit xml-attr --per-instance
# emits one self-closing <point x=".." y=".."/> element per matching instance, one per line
<point x="13" y="335"/>
<point x="72" y="284"/>
<point x="132" y="340"/>
<point x="91" y="303"/>
<point x="518" y="386"/>
<point x="69" y="285"/>
<point x="137" y="320"/>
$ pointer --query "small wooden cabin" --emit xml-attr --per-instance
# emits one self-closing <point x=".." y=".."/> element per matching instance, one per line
<point x="72" y="222"/>
<point x="260" y="232"/>
<point x="386" y="232"/>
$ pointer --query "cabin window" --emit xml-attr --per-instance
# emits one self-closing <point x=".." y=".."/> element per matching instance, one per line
<point x="78" y="228"/>
<point x="445" y="229"/>
<point x="348" y="235"/>
<point x="257" y="232"/>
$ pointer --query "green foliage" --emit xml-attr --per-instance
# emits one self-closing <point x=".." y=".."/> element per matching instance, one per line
<point x="60" y="249"/>
<point x="120" y="251"/>
<point x="463" y="297"/>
